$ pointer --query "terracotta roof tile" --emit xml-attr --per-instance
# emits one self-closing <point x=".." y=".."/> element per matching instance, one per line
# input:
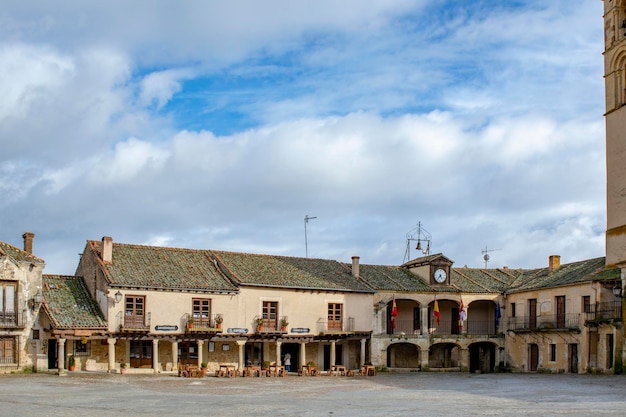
<point x="17" y="254"/>
<point x="69" y="305"/>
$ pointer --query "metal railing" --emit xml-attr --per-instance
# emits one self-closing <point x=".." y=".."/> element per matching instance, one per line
<point x="12" y="320"/>
<point x="264" y="324"/>
<point x="203" y="322"/>
<point x="545" y="322"/>
<point x="405" y="327"/>
<point x="604" y="311"/>
<point x="480" y="327"/>
<point x="134" y="322"/>
<point x="335" y="326"/>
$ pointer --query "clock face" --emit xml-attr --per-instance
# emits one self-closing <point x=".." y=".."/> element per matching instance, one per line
<point x="440" y="276"/>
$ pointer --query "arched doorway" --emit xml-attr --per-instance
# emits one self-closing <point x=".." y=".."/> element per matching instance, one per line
<point x="482" y="357"/>
<point x="403" y="355"/>
<point x="444" y="355"/>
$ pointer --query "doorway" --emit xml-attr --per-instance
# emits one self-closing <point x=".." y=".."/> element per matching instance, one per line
<point x="254" y="353"/>
<point x="293" y="349"/>
<point x="141" y="353"/>
<point x="573" y="358"/>
<point x="482" y="357"/>
<point x="53" y="359"/>
<point x="338" y="356"/>
<point x="533" y="357"/>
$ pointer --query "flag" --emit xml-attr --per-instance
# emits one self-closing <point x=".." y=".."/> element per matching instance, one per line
<point x="462" y="315"/>
<point x="436" y="311"/>
<point x="394" y="313"/>
<point x="498" y="315"/>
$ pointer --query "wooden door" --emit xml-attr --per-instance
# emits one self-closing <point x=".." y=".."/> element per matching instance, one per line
<point x="334" y="316"/>
<point x="270" y="315"/>
<point x="560" y="312"/>
<point x="141" y="354"/>
<point x="573" y="358"/>
<point x="532" y="313"/>
<point x="533" y="357"/>
<point x="135" y="311"/>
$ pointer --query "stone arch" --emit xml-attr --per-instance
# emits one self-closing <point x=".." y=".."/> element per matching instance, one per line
<point x="403" y="355"/>
<point x="445" y="356"/>
<point x="482" y="357"/>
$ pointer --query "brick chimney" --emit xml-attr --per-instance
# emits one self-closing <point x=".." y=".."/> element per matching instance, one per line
<point x="554" y="262"/>
<point x="355" y="266"/>
<point x="28" y="242"/>
<point x="107" y="249"/>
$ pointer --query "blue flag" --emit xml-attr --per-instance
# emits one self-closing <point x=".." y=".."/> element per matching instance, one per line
<point x="498" y="315"/>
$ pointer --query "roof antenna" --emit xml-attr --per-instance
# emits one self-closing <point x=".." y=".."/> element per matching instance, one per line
<point x="306" y="244"/>
<point x="485" y="253"/>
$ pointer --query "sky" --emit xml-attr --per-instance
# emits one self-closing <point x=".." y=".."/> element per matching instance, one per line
<point x="222" y="125"/>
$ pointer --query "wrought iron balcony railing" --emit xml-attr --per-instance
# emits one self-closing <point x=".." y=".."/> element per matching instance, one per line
<point x="569" y="321"/>
<point x="335" y="326"/>
<point x="604" y="311"/>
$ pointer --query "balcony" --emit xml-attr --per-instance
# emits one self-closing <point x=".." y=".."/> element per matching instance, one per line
<point x="204" y="324"/>
<point x="406" y="327"/>
<point x="133" y="323"/>
<point x="325" y="326"/>
<point x="13" y="320"/>
<point x="545" y="322"/>
<point x="604" y="312"/>
<point x="271" y="325"/>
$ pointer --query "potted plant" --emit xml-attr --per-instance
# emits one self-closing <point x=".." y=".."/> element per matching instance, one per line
<point x="71" y="363"/>
<point x="266" y="364"/>
<point x="283" y="324"/>
<point x="203" y="368"/>
<point x="123" y="367"/>
<point x="190" y="323"/>
<point x="218" y="321"/>
<point x="259" y="324"/>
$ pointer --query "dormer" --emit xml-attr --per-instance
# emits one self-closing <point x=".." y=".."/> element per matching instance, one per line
<point x="432" y="269"/>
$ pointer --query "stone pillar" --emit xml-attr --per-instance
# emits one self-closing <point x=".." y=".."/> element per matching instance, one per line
<point x="111" y="343"/>
<point x="333" y="358"/>
<point x="266" y="351"/>
<point x="363" y="353"/>
<point x="61" y="354"/>
<point x="424" y="319"/>
<point x="424" y="353"/>
<point x="175" y="356"/>
<point x="241" y="345"/>
<point x="155" y="355"/>
<point x="200" y="352"/>
<point x="278" y="345"/>
<point x="464" y="359"/>
<point x="302" y="354"/>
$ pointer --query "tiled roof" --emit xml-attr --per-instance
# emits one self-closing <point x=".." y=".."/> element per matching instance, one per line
<point x="17" y="254"/>
<point x="392" y="278"/>
<point x="483" y="280"/>
<point x="566" y="274"/>
<point x="164" y="268"/>
<point x="69" y="305"/>
<point x="289" y="272"/>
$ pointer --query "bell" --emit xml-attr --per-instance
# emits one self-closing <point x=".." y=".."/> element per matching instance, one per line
<point x="419" y="245"/>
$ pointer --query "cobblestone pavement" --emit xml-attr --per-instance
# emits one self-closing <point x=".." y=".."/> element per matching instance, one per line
<point x="388" y="394"/>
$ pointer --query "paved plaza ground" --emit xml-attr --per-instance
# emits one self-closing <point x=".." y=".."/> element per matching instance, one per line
<point x="388" y="394"/>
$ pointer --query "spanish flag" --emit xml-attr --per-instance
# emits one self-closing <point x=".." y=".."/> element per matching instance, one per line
<point x="394" y="313"/>
<point x="436" y="311"/>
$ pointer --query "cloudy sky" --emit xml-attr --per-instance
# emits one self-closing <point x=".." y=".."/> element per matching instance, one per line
<point x="221" y="125"/>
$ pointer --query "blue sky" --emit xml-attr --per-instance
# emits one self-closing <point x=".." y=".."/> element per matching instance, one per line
<point x="219" y="125"/>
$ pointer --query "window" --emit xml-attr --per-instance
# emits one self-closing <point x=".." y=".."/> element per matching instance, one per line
<point x="7" y="302"/>
<point x="270" y="314"/>
<point x="512" y="309"/>
<point x="82" y="349"/>
<point x="135" y="310"/>
<point x="587" y="304"/>
<point x="552" y="352"/>
<point x="201" y="312"/>
<point x="334" y="316"/>
<point x="7" y="351"/>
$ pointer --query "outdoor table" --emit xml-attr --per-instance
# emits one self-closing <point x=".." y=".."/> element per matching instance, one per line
<point x="338" y="369"/>
<point x="252" y="370"/>
<point x="368" y="370"/>
<point x="309" y="370"/>
<point x="227" y="370"/>
<point x="277" y="370"/>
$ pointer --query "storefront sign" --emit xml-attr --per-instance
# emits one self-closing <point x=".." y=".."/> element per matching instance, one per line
<point x="237" y="330"/>
<point x="300" y="330"/>
<point x="166" y="328"/>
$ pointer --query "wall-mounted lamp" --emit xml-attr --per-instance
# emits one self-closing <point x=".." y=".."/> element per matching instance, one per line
<point x="36" y="301"/>
<point x="118" y="296"/>
<point x="617" y="291"/>
<point x="380" y="305"/>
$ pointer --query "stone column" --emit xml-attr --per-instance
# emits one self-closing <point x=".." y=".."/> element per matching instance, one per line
<point x="175" y="356"/>
<point x="464" y="359"/>
<point x="241" y="345"/>
<point x="61" y="354"/>
<point x="111" y="343"/>
<point x="424" y="319"/>
<point x="362" y="358"/>
<point x="200" y="352"/>
<point x="424" y="353"/>
<point x="333" y="358"/>
<point x="155" y="355"/>
<point x="278" y="345"/>
<point x="302" y="354"/>
<point x="266" y="351"/>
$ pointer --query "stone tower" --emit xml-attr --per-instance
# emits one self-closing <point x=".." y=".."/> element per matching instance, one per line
<point x="615" y="93"/>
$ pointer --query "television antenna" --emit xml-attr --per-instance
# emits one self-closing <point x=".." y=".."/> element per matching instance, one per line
<point x="423" y="239"/>
<point x="306" y="244"/>
<point x="485" y="253"/>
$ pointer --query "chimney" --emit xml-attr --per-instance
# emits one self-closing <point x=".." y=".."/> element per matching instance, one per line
<point x="107" y="250"/>
<point x="28" y="242"/>
<point x="355" y="266"/>
<point x="554" y="262"/>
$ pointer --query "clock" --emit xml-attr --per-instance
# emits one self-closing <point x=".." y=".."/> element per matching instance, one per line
<point x="440" y="276"/>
